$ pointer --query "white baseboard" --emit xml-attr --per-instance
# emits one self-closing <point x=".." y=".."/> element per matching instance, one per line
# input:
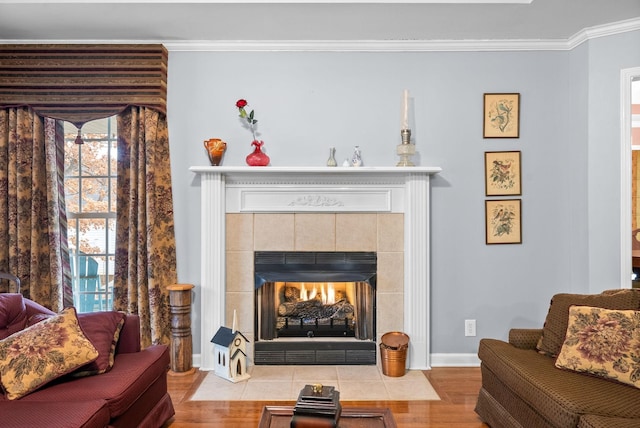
<point x="437" y="360"/>
<point x="455" y="360"/>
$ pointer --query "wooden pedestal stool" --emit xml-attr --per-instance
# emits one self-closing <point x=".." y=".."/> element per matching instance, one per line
<point x="181" y="340"/>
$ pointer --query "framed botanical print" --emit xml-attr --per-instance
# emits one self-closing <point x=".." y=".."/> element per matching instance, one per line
<point x="503" y="219"/>
<point x="501" y="116"/>
<point x="502" y="175"/>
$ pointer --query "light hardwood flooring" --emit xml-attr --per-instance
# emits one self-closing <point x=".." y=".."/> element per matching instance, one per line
<point x="457" y="387"/>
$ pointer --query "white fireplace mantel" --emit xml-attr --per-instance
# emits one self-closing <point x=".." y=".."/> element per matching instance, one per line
<point x="230" y="189"/>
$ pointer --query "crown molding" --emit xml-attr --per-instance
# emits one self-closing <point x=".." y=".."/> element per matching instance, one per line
<point x="603" y="31"/>
<point x="372" y="45"/>
<point x="271" y="1"/>
<point x="406" y="45"/>
<point x="365" y="45"/>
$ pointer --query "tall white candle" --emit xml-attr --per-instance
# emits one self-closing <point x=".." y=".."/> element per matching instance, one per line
<point x="405" y="110"/>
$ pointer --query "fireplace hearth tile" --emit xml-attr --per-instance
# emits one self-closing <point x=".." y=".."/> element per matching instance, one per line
<point x="358" y="373"/>
<point x="285" y="382"/>
<point x="272" y="390"/>
<point x="407" y="390"/>
<point x="363" y="389"/>
<point x="313" y="373"/>
<point x="269" y="373"/>
<point x="223" y="390"/>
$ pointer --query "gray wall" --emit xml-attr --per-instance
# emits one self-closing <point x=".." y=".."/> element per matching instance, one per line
<point x="306" y="102"/>
<point x="607" y="56"/>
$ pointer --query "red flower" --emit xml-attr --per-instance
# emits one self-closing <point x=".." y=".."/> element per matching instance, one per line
<point x="248" y="118"/>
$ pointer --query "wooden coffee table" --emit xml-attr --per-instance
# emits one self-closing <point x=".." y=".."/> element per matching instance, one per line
<point x="351" y="417"/>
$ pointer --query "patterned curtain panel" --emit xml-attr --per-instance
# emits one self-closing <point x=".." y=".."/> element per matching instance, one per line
<point x="145" y="243"/>
<point x="80" y="83"/>
<point x="32" y="210"/>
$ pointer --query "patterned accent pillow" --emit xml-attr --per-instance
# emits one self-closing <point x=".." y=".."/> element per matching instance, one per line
<point x="555" y="324"/>
<point x="603" y="342"/>
<point x="33" y="357"/>
<point x="103" y="330"/>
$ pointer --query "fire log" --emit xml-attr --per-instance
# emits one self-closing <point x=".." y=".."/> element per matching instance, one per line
<point x="315" y="309"/>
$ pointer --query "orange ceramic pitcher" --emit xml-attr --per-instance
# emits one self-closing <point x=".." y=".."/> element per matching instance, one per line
<point x="215" y="149"/>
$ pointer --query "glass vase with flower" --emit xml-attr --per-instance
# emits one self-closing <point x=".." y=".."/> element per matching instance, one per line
<point x="257" y="157"/>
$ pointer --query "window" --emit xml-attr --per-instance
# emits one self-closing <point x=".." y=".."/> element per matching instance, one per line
<point x="90" y="197"/>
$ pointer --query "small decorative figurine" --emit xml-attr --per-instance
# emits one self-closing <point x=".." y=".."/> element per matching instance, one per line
<point x="356" y="159"/>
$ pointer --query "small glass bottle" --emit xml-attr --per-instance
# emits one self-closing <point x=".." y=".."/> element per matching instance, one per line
<point x="332" y="157"/>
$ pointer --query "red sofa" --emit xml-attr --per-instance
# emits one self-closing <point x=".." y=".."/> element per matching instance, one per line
<point x="133" y="393"/>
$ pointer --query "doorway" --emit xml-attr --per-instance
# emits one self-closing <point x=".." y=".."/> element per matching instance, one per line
<point x="630" y="169"/>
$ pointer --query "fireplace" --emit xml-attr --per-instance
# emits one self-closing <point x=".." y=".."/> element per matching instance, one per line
<point x="315" y="307"/>
<point x="384" y="210"/>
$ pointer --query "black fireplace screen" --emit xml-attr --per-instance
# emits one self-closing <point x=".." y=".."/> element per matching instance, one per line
<point x="315" y="294"/>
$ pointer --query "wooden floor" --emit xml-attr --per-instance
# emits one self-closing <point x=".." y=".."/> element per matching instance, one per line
<point x="458" y="389"/>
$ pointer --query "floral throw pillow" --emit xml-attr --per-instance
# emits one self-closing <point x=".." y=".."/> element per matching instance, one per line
<point x="603" y="342"/>
<point x="555" y="324"/>
<point x="43" y="352"/>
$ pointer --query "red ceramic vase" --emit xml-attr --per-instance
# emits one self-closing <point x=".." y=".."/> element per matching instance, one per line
<point x="257" y="158"/>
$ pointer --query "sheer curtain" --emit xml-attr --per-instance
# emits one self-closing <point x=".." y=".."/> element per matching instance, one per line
<point x="32" y="209"/>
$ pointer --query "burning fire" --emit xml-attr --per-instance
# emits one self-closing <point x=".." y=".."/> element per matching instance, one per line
<point x="328" y="297"/>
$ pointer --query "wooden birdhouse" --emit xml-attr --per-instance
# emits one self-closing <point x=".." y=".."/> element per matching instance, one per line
<point x="230" y="349"/>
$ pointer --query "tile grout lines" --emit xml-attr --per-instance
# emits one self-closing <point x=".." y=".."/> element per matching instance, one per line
<point x="285" y="382"/>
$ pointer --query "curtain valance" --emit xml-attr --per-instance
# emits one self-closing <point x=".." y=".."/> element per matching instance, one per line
<point x="83" y="82"/>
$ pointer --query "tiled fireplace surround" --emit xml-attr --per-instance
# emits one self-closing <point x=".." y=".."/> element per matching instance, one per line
<point x="385" y="210"/>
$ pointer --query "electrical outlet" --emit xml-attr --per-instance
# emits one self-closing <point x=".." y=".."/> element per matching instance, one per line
<point x="469" y="327"/>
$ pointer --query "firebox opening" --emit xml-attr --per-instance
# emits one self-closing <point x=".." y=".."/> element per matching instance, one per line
<point x="315" y="307"/>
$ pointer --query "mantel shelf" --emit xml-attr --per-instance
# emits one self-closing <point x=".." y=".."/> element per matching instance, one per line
<point x="257" y="170"/>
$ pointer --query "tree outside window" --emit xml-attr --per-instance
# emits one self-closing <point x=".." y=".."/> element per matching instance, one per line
<point x="90" y="197"/>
